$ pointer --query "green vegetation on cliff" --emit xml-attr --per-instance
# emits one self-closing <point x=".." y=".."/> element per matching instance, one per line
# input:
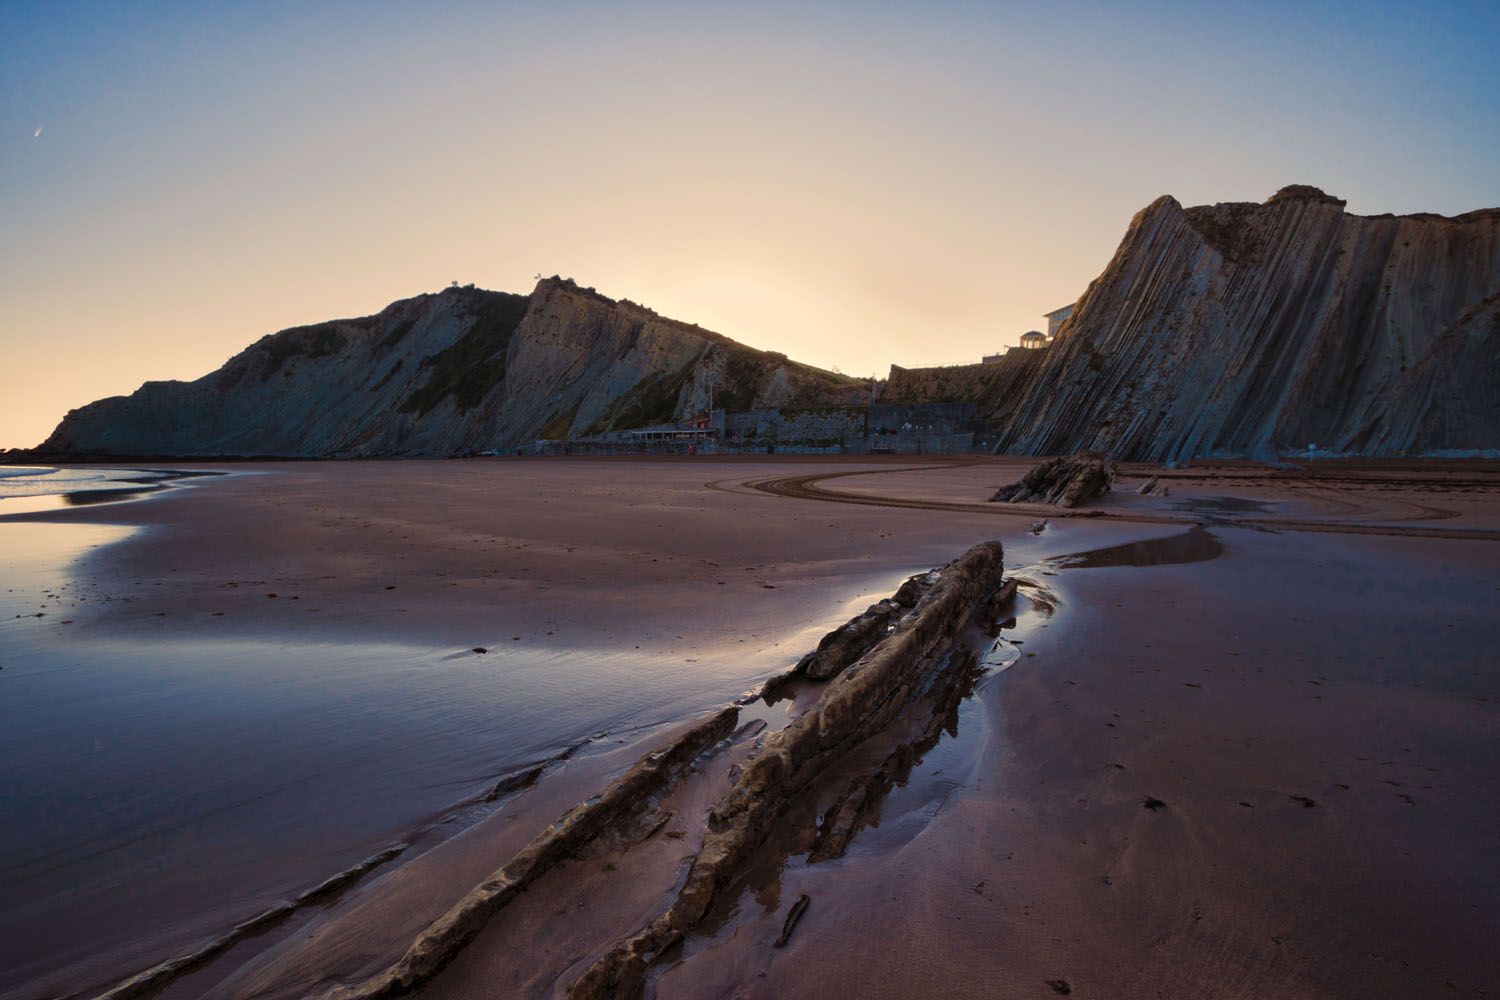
<point x="320" y="341"/>
<point x="652" y="401"/>
<point x="475" y="363"/>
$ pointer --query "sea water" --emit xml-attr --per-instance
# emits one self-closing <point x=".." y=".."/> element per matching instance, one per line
<point x="159" y="790"/>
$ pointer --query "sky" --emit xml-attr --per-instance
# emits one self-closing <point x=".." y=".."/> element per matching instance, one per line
<point x="853" y="184"/>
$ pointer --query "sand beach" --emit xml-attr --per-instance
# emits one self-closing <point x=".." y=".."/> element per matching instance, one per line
<point x="1245" y="748"/>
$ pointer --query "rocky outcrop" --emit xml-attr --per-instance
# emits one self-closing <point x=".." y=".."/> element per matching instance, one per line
<point x="1066" y="482"/>
<point x="637" y="790"/>
<point x="1235" y="329"/>
<point x="1451" y="402"/>
<point x="847" y="643"/>
<point x="862" y="700"/>
<point x="462" y="371"/>
<point x="901" y="689"/>
<point x="1254" y="330"/>
<point x="994" y="388"/>
<point x="859" y="804"/>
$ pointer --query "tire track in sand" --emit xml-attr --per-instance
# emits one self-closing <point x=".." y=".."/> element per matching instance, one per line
<point x="809" y="487"/>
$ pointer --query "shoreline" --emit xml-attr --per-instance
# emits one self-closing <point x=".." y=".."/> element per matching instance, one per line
<point x="143" y="616"/>
<point x="915" y="527"/>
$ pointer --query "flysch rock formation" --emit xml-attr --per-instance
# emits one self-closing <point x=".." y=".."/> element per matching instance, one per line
<point x="863" y="698"/>
<point x="1256" y="330"/>
<point x="462" y="371"/>
<point x="1451" y="402"/>
<point x="1066" y="482"/>
<point x="1237" y="329"/>
<point x="993" y="388"/>
<point x="897" y="690"/>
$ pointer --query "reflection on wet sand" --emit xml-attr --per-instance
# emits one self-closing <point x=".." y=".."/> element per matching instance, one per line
<point x="144" y="763"/>
<point x="1223" y="505"/>
<point x="1050" y="760"/>
<point x="847" y="791"/>
<point x="1197" y="544"/>
<point x="35" y="491"/>
<point x="84" y="498"/>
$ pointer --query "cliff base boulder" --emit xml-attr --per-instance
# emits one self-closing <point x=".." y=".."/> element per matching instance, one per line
<point x="1064" y="481"/>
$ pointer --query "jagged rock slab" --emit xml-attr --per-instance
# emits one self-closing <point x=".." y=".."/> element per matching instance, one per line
<point x="852" y="640"/>
<point x="917" y="661"/>
<point x="463" y="371"/>
<point x="863" y="699"/>
<point x="859" y="804"/>
<point x="1066" y="482"/>
<point x="632" y="792"/>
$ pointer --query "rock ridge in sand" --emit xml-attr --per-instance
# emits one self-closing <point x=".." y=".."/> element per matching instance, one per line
<point x="862" y="699"/>
<point x="874" y="684"/>
<point x="1066" y="482"/>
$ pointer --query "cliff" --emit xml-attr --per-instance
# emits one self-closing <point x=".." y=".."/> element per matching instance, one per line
<point x="1233" y="329"/>
<point x="994" y="388"/>
<point x="1257" y="329"/>
<point x="465" y="370"/>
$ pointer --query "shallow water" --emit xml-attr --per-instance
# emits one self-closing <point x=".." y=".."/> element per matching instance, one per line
<point x="1194" y="545"/>
<point x="753" y="908"/>
<point x="1223" y="505"/>
<point x="159" y="791"/>
<point x="34" y="489"/>
<point x="34" y="481"/>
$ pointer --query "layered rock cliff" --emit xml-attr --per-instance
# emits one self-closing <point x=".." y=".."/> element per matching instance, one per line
<point x="1258" y="329"/>
<point x="1232" y="329"/>
<point x="994" y="388"/>
<point x="465" y="370"/>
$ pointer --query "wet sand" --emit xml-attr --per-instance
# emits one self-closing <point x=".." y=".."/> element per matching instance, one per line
<point x="1350" y="668"/>
<point x="1270" y="774"/>
<point x="610" y="598"/>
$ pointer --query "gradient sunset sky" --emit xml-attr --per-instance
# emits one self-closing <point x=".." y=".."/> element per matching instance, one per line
<point x="852" y="184"/>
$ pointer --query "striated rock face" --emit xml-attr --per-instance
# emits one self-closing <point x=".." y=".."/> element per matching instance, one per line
<point x="994" y="388"/>
<point x="1253" y="330"/>
<point x="1066" y="482"/>
<point x="1232" y="329"/>
<point x="1451" y="402"/>
<point x="865" y="698"/>
<point x="461" y="371"/>
<point x="847" y="643"/>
